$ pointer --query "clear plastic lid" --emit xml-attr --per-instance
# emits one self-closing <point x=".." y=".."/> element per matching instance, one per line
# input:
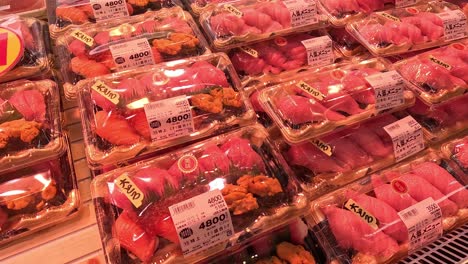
<point x="197" y="7"/>
<point x="98" y="49"/>
<point x="408" y="29"/>
<point x="438" y="75"/>
<point x="346" y="43"/>
<point x="457" y="150"/>
<point x="29" y="122"/>
<point x="441" y="121"/>
<point x="23" y="52"/>
<point x="264" y="62"/>
<point x="315" y="104"/>
<point x="70" y="13"/>
<point x="341" y="13"/>
<point x="329" y="162"/>
<point x="240" y="23"/>
<point x="38" y="196"/>
<point x="373" y="220"/>
<point x="138" y="111"/>
<point x="141" y="205"/>
<point x="26" y="7"/>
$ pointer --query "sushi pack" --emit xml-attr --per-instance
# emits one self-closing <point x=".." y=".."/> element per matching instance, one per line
<point x="201" y="96"/>
<point x="315" y="104"/>
<point x="408" y="29"/>
<point x="372" y="220"/>
<point x="154" y="37"/>
<point x="240" y="23"/>
<point x="457" y="150"/>
<point x="153" y="200"/>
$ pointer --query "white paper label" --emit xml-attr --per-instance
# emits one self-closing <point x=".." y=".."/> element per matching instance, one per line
<point x="424" y="223"/>
<point x="407" y="137"/>
<point x="132" y="54"/>
<point x="303" y="12"/>
<point x="109" y="9"/>
<point x="455" y="24"/>
<point x="169" y="118"/>
<point x="403" y="3"/>
<point x="319" y="51"/>
<point x="202" y="221"/>
<point x="388" y="87"/>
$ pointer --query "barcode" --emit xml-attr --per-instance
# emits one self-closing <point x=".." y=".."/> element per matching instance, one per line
<point x="393" y="127"/>
<point x="184" y="207"/>
<point x="410" y="213"/>
<point x="154" y="106"/>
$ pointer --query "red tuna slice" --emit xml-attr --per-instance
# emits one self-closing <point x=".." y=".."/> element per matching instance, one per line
<point x="355" y="83"/>
<point x="242" y="156"/>
<point x="3" y="217"/>
<point x="133" y="238"/>
<point x="227" y="24"/>
<point x="259" y="20"/>
<point x="398" y="199"/>
<point x="433" y="18"/>
<point x="347" y="151"/>
<point x="443" y="181"/>
<point x="369" y="6"/>
<point x="271" y="55"/>
<point x="412" y="32"/>
<point x="428" y="29"/>
<point x="392" y="32"/>
<point x="300" y="110"/>
<point x="419" y="108"/>
<point x="343" y="103"/>
<point x="246" y="63"/>
<point x="309" y="156"/>
<point x="457" y="109"/>
<point x="175" y="23"/>
<point x="459" y="68"/>
<point x="371" y="143"/>
<point x="420" y="189"/>
<point x="179" y="174"/>
<point x="131" y="89"/>
<point x="351" y="231"/>
<point x="77" y="48"/>
<point x="88" y="68"/>
<point x="278" y="12"/>
<point x="30" y="103"/>
<point x="213" y="160"/>
<point x="207" y="74"/>
<point x="377" y="126"/>
<point x="139" y="122"/>
<point x="255" y="102"/>
<point x="102" y="38"/>
<point x="389" y="221"/>
<point x="115" y="129"/>
<point x="151" y="179"/>
<point x="146" y="27"/>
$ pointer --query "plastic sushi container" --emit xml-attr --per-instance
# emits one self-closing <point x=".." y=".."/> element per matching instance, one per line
<point x="98" y="49"/>
<point x="68" y="14"/>
<point x="441" y="121"/>
<point x="346" y="43"/>
<point x="29" y="122"/>
<point x="236" y="24"/>
<point x="457" y="150"/>
<point x="29" y="8"/>
<point x="312" y="105"/>
<point x="159" y="210"/>
<point x="131" y="113"/>
<point x="27" y="43"/>
<point x="291" y="243"/>
<point x="374" y="220"/>
<point x="438" y="75"/>
<point x="38" y="196"/>
<point x="327" y="163"/>
<point x="197" y="7"/>
<point x="267" y="61"/>
<point x="401" y="30"/>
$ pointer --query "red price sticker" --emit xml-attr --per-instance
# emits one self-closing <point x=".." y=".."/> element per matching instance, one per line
<point x="11" y="49"/>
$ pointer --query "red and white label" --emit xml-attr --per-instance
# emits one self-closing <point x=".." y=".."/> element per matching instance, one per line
<point x="303" y="12"/>
<point x="187" y="163"/>
<point x="132" y="54"/>
<point x="109" y="9"/>
<point x="319" y="51"/>
<point x="455" y="24"/>
<point x="399" y="186"/>
<point x="388" y="87"/>
<point x="407" y="137"/>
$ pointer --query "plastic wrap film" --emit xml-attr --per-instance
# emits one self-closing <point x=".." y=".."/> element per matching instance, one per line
<point x="462" y="4"/>
<point x="130" y="113"/>
<point x="441" y="121"/>
<point x="292" y="243"/>
<point x="341" y="13"/>
<point x="197" y="7"/>
<point x="35" y="8"/>
<point x="154" y="37"/>
<point x="313" y="105"/>
<point x="408" y="29"/>
<point x="457" y="150"/>
<point x="243" y="165"/>
<point x="240" y="23"/>
<point x="72" y="13"/>
<point x="434" y="80"/>
<point x="36" y="197"/>
<point x="346" y="43"/>
<point x="364" y="222"/>
<point x="26" y="41"/>
<point x="332" y="161"/>
<point x="29" y="122"/>
<point x="270" y="61"/>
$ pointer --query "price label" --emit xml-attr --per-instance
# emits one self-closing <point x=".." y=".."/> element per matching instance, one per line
<point x="455" y="24"/>
<point x="403" y="3"/>
<point x="109" y="9"/>
<point x="424" y="223"/>
<point x="303" y="12"/>
<point x="310" y="90"/>
<point x="130" y="189"/>
<point x="407" y="137"/>
<point x="169" y="118"/>
<point x="319" y="51"/>
<point x="11" y="49"/>
<point x="104" y="90"/>
<point x="202" y="221"/>
<point x="388" y="87"/>
<point x="323" y="146"/>
<point x="83" y="37"/>
<point x="132" y="54"/>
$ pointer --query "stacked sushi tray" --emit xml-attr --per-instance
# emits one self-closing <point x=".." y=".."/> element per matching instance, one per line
<point x="240" y="131"/>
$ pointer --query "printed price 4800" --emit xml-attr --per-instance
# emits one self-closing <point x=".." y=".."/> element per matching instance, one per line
<point x="139" y="55"/>
<point x="114" y="3"/>
<point x="177" y="118"/>
<point x="213" y="221"/>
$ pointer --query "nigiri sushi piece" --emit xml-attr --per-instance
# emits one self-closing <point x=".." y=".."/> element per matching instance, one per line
<point x="371" y="143"/>
<point x="347" y="151"/>
<point x="385" y="192"/>
<point x="88" y="68"/>
<point x="30" y="103"/>
<point x="115" y="129"/>
<point x="242" y="156"/>
<point x="72" y="14"/>
<point x="260" y="20"/>
<point x="245" y="63"/>
<point x="278" y="12"/>
<point x="139" y="122"/>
